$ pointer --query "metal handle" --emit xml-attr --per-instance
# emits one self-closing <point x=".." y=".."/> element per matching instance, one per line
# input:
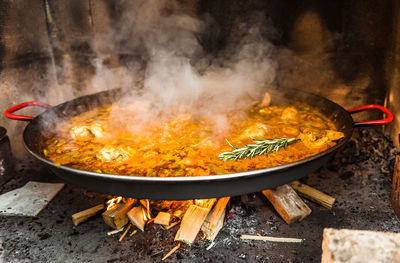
<point x="387" y="120"/>
<point x="9" y="113"/>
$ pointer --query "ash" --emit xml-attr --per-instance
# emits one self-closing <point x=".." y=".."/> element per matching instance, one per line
<point x="359" y="177"/>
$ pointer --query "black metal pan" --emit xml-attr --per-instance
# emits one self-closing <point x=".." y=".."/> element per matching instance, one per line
<point x="182" y="188"/>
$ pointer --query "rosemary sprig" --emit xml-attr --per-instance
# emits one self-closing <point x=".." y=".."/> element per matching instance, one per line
<point x="261" y="146"/>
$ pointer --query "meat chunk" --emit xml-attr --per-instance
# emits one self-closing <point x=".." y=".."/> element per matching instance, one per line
<point x="87" y="133"/>
<point x="257" y="130"/>
<point x="81" y="133"/>
<point x="312" y="141"/>
<point x="266" y="100"/>
<point x="97" y="130"/>
<point x="110" y="153"/>
<point x="290" y="113"/>
<point x="334" y="135"/>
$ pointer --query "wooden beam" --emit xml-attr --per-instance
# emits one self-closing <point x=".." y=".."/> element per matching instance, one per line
<point x="287" y="203"/>
<point x="313" y="194"/>
<point x="136" y="217"/>
<point x="84" y="215"/>
<point x="215" y="219"/>
<point x="346" y="245"/>
<point x="116" y="217"/>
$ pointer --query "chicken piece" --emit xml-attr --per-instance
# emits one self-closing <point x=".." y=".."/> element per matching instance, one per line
<point x="266" y="100"/>
<point x="311" y="141"/>
<point x="97" y="130"/>
<point x="290" y="131"/>
<point x="290" y="113"/>
<point x="110" y="153"/>
<point x="81" y="133"/>
<point x="257" y="130"/>
<point x="334" y="135"/>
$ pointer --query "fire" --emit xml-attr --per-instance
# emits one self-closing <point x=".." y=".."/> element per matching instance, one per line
<point x="112" y="202"/>
<point x="146" y="209"/>
<point x="144" y="215"/>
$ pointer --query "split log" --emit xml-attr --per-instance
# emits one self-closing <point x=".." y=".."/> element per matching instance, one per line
<point x="215" y="219"/>
<point x="345" y="245"/>
<point x="162" y="218"/>
<point x="84" y="215"/>
<point x="287" y="203"/>
<point x="116" y="216"/>
<point x="205" y="203"/>
<point x="313" y="194"/>
<point x="136" y="217"/>
<point x="191" y="223"/>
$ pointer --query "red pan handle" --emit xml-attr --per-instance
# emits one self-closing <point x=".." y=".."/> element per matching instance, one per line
<point x="9" y="113"/>
<point x="387" y="120"/>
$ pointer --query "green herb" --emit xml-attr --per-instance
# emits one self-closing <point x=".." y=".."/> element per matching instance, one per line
<point x="261" y="146"/>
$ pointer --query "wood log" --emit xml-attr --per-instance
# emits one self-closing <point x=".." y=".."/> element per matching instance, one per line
<point x="287" y="203"/>
<point x="162" y="218"/>
<point x="116" y="217"/>
<point x="191" y="223"/>
<point x="205" y="203"/>
<point x="84" y="215"/>
<point x="215" y="219"/>
<point x="136" y="217"/>
<point x="313" y="194"/>
<point x="350" y="246"/>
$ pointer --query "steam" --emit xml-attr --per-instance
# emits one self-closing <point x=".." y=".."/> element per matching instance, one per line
<point x="174" y="72"/>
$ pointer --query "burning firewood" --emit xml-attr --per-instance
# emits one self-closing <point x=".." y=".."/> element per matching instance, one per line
<point x="215" y="219"/>
<point x="171" y="225"/>
<point x="205" y="203"/>
<point x="287" y="203"/>
<point x="162" y="218"/>
<point x="116" y="216"/>
<point x="115" y="231"/>
<point x="84" y="215"/>
<point x="171" y="252"/>
<point x="193" y="220"/>
<point x="313" y="194"/>
<point x="133" y="232"/>
<point x="124" y="234"/>
<point x="137" y="217"/>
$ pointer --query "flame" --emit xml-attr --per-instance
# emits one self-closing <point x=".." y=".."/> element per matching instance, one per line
<point x="148" y="209"/>
<point x="112" y="202"/>
<point x="144" y="215"/>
